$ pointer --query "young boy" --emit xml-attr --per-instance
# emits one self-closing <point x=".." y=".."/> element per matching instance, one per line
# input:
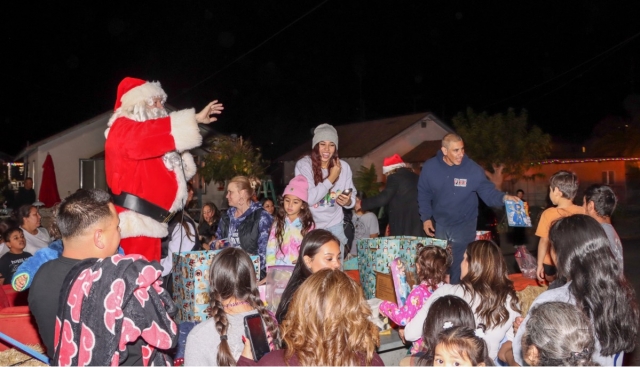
<point x="599" y="203"/>
<point x="563" y="186"/>
<point x="9" y="262"/>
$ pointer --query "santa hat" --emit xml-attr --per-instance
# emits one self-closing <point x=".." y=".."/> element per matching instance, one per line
<point x="391" y="163"/>
<point x="132" y="91"/>
<point x="298" y="186"/>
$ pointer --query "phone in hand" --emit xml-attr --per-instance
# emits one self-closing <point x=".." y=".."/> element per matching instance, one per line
<point x="254" y="329"/>
<point x="347" y="191"/>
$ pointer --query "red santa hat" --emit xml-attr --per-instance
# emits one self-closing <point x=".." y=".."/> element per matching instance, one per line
<point x="391" y="163"/>
<point x="132" y="91"/>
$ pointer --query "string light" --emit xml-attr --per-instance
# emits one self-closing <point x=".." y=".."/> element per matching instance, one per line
<point x="586" y="160"/>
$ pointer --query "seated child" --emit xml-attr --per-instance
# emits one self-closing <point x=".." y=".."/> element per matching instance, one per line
<point x="563" y="186"/>
<point x="599" y="203"/>
<point x="432" y="263"/>
<point x="462" y="346"/>
<point x="14" y="240"/>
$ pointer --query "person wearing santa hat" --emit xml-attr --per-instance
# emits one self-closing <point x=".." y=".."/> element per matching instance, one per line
<point x="401" y="194"/>
<point x="147" y="162"/>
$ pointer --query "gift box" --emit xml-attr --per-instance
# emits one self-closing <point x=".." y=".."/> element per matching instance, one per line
<point x="351" y="264"/>
<point x="483" y="235"/>
<point x="375" y="254"/>
<point x="191" y="283"/>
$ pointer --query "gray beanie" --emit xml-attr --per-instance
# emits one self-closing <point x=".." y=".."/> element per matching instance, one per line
<point x="324" y="132"/>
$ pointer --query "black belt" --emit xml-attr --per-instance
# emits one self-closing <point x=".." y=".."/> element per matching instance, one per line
<point x="142" y="206"/>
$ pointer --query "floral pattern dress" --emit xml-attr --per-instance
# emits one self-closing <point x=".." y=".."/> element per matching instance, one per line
<point x="401" y="315"/>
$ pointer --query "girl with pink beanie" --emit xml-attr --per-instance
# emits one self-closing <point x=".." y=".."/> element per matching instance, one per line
<point x="292" y="221"/>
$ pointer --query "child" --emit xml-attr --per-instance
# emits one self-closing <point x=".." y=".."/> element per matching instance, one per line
<point x="292" y="221"/>
<point x="365" y="224"/>
<point x="234" y="295"/>
<point x="462" y="346"/>
<point x="563" y="186"/>
<point x="14" y="240"/>
<point x="599" y="203"/>
<point x="432" y="263"/>
<point x="447" y="311"/>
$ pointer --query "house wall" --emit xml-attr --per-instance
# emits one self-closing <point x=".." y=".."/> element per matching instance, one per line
<point x="536" y="191"/>
<point x="66" y="152"/>
<point x="404" y="143"/>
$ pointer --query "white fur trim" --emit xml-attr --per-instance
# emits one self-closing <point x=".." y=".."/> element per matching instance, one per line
<point x="189" y="165"/>
<point x="134" y="224"/>
<point x="184" y="129"/>
<point x="142" y="93"/>
<point x="387" y="169"/>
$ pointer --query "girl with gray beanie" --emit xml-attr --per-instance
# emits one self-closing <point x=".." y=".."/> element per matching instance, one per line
<point x="328" y="178"/>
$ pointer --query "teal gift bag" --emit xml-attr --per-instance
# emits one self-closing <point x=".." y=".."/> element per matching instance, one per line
<point x="375" y="254"/>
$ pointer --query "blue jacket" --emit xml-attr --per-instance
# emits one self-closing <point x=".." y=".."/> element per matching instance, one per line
<point x="448" y="193"/>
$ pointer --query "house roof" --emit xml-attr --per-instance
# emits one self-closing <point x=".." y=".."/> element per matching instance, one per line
<point x="359" y="138"/>
<point x="426" y="149"/>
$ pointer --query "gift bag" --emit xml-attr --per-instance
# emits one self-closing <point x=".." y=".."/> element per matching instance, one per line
<point x="526" y="262"/>
<point x="277" y="279"/>
<point x="191" y="283"/>
<point x="375" y="254"/>
<point x="483" y="235"/>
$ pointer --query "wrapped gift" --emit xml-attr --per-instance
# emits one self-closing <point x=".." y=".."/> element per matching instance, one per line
<point x="375" y="254"/>
<point x="191" y="283"/>
<point x="483" y="235"/>
<point x="350" y="264"/>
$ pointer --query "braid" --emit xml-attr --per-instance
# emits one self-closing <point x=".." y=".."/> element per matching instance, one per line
<point x="224" y="357"/>
<point x="267" y="317"/>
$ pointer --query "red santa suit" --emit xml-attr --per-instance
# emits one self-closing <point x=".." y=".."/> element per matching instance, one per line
<point x="144" y="161"/>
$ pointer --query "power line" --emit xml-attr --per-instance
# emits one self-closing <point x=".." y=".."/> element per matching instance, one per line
<point x="253" y="49"/>
<point x="612" y="49"/>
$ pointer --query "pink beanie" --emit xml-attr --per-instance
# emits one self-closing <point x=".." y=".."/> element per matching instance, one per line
<point x="298" y="187"/>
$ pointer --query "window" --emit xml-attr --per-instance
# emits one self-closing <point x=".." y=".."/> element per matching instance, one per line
<point x="92" y="175"/>
<point x="607" y="177"/>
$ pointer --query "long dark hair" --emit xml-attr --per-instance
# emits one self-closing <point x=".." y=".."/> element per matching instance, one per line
<point x="316" y="164"/>
<point x="488" y="278"/>
<point x="448" y="309"/>
<point x="216" y="215"/>
<point x="306" y="218"/>
<point x="600" y="289"/>
<point x="233" y="275"/>
<point x="311" y="244"/>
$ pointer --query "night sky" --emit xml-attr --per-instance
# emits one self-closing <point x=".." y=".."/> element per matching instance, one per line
<point x="344" y="61"/>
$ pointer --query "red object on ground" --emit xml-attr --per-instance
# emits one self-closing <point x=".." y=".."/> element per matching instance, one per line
<point x="521" y="282"/>
<point x="49" y="187"/>
<point x="16" y="320"/>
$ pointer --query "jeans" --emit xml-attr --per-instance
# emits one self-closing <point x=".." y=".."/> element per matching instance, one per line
<point x="459" y="236"/>
<point x="338" y="231"/>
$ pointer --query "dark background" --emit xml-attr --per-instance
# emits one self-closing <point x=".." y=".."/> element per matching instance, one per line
<point x="566" y="62"/>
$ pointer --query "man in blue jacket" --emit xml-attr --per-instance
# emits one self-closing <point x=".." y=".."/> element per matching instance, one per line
<point x="448" y="191"/>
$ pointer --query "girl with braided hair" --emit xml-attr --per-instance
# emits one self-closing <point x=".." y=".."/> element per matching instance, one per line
<point x="234" y="295"/>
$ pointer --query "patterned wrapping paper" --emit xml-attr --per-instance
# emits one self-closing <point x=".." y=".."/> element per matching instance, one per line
<point x="375" y="254"/>
<point x="483" y="235"/>
<point x="191" y="283"/>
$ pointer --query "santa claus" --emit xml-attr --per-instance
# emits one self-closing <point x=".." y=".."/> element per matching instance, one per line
<point x="147" y="163"/>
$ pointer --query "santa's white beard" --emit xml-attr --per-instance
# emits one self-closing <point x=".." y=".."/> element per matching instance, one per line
<point x="142" y="112"/>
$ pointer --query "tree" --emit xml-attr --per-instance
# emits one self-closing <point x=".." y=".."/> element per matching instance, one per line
<point x="366" y="181"/>
<point x="229" y="157"/>
<point x="503" y="144"/>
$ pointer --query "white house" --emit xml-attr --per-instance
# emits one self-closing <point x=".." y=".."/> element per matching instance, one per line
<point x="77" y="153"/>
<point x="367" y="142"/>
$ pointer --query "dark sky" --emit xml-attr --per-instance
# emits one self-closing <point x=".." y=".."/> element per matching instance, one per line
<point x="63" y="61"/>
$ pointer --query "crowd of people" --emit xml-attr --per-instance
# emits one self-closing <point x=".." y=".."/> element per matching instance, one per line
<point x="98" y="303"/>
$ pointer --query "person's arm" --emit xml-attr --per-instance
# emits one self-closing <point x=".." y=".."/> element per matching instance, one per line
<point x="505" y="354"/>
<point x="402" y="315"/>
<point x="347" y="202"/>
<point x="543" y="247"/>
<point x="383" y="197"/>
<point x="27" y="270"/>
<point x="266" y="220"/>
<point x="315" y="192"/>
<point x="413" y="330"/>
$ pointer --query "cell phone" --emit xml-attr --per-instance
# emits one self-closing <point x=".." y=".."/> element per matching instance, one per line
<point x="254" y="329"/>
<point x="347" y="192"/>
